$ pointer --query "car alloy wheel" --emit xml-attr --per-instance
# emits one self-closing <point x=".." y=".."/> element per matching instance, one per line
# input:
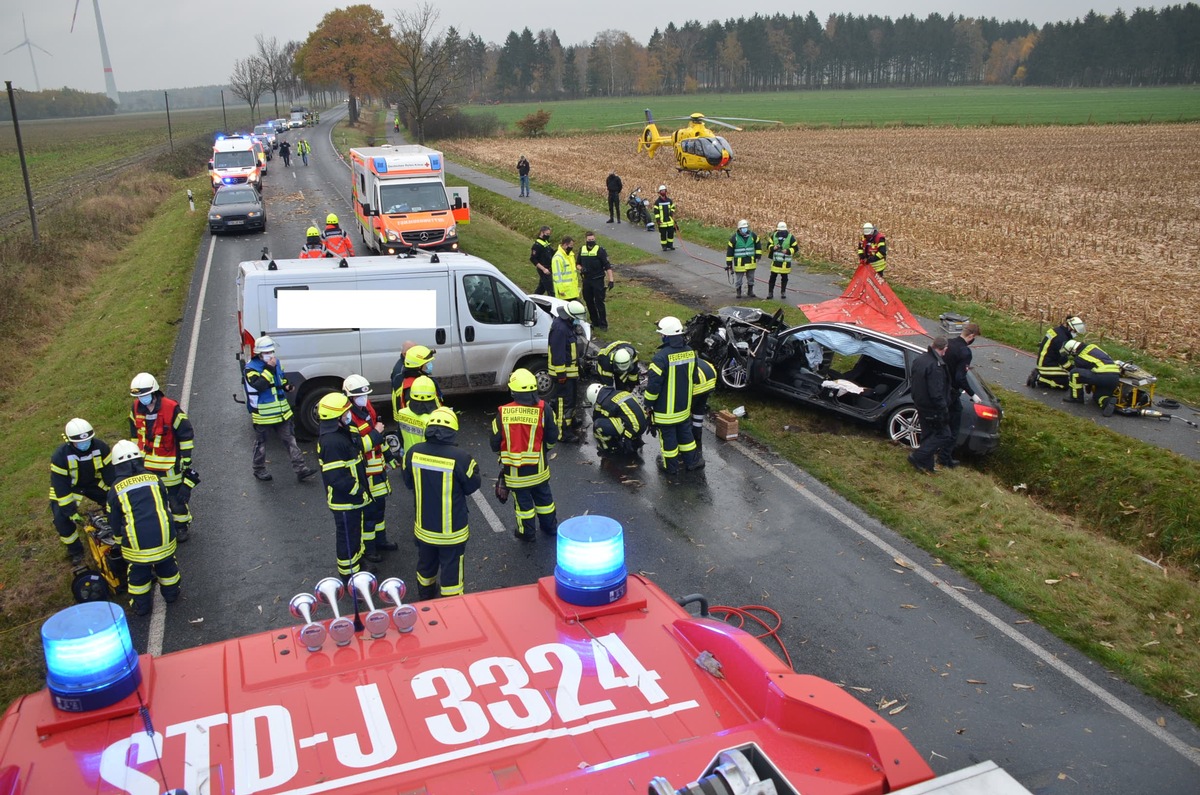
<point x="904" y="426"/>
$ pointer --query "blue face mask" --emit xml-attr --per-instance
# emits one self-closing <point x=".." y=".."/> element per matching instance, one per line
<point x="146" y="400"/>
<point x="346" y="418"/>
<point x="428" y="368"/>
<point x="83" y="446"/>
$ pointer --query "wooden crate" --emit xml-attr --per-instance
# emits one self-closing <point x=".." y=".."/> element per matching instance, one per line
<point x="727" y="426"/>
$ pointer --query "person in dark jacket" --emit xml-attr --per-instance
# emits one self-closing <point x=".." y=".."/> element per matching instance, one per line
<point x="617" y="365"/>
<point x="541" y="254"/>
<point x="597" y="274"/>
<point x="618" y="420"/>
<point x="958" y="361"/>
<point x="140" y="519"/>
<point x="1050" y="371"/>
<point x="344" y="472"/>
<point x="441" y="476"/>
<point x="80" y="467"/>
<point x="614" y="186"/>
<point x="931" y="394"/>
<point x="669" y="397"/>
<point x="523" y="173"/>
<point x="565" y="342"/>
<point x="266" y="387"/>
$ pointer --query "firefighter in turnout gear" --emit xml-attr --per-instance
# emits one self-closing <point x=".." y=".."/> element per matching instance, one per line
<point x="618" y="420"/>
<point x="872" y="249"/>
<point x="742" y="255"/>
<point x="704" y="381"/>
<point x="416" y="361"/>
<point x="523" y="432"/>
<point x="314" y="246"/>
<point x="337" y="243"/>
<point x="617" y="365"/>
<point x="1090" y="366"/>
<point x="781" y="249"/>
<point x="422" y="401"/>
<point x="266" y="387"/>
<point x="564" y="341"/>
<point x="344" y="472"/>
<point x="79" y="467"/>
<point x="164" y="434"/>
<point x="366" y="422"/>
<point x="1050" y="371"/>
<point x="441" y="477"/>
<point x="669" y="397"/>
<point x="541" y="255"/>
<point x="664" y="216"/>
<point x="564" y="272"/>
<point x="141" y="520"/>
<point x="597" y="273"/>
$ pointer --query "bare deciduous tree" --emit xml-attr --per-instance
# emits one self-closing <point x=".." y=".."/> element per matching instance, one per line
<point x="248" y="82"/>
<point x="276" y="65"/>
<point x="424" y="72"/>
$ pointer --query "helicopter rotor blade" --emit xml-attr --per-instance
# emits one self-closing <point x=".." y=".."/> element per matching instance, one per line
<point x="627" y="124"/>
<point x="737" y="118"/>
<point x="720" y="123"/>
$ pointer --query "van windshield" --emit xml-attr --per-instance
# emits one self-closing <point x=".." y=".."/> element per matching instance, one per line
<point x="422" y="197"/>
<point x="242" y="159"/>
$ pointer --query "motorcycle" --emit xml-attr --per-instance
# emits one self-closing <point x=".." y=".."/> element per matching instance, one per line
<point x="638" y="211"/>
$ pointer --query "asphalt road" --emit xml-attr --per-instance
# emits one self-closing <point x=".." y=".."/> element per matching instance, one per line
<point x="976" y="680"/>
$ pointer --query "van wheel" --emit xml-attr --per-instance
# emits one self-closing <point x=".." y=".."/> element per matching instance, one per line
<point x="306" y="413"/>
<point x="904" y="426"/>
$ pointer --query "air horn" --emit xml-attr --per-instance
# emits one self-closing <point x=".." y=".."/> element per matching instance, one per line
<point x="341" y="629"/>
<point x="312" y="634"/>
<point x="377" y="620"/>
<point x="404" y="616"/>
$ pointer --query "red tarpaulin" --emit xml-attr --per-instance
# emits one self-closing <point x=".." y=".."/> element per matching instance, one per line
<point x="867" y="301"/>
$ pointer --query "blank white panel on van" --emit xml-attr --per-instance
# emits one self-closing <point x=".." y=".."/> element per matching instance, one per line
<point x="362" y="308"/>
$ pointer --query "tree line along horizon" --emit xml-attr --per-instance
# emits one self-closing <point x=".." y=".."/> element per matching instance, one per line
<point x="755" y="53"/>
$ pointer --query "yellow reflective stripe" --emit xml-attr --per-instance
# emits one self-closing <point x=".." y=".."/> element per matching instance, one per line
<point x="58" y="470"/>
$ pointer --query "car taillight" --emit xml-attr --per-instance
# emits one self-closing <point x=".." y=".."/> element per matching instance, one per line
<point x="986" y="412"/>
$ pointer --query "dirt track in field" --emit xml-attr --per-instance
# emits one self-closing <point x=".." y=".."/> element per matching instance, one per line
<point x="1100" y="221"/>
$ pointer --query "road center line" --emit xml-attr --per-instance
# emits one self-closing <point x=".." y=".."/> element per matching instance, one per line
<point x="1033" y="648"/>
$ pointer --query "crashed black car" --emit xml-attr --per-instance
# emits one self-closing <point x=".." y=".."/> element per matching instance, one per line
<point x="840" y="367"/>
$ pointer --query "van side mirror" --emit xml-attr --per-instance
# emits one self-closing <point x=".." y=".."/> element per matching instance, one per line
<point x="529" y="313"/>
<point x="210" y="165"/>
<point x="367" y="210"/>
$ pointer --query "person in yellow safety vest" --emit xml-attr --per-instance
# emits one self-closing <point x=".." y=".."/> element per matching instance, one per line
<point x="441" y="476"/>
<point x="618" y="420"/>
<point x="664" y="217"/>
<point x="564" y="272"/>
<point x="1050" y="371"/>
<point x="781" y="249"/>
<point x="564" y="337"/>
<point x="266" y="387"/>
<point x="344" y="473"/>
<point x="669" y="397"/>
<point x="164" y="434"/>
<point x="416" y="361"/>
<point x="1089" y="365"/>
<point x="79" y="467"/>
<point x="872" y="249"/>
<point x="314" y="246"/>
<point x="742" y="254"/>
<point x="523" y="432"/>
<point x="138" y="513"/>
<point x="423" y="398"/>
<point x="366" y="423"/>
<point x="541" y="256"/>
<point x="704" y="381"/>
<point x="303" y="149"/>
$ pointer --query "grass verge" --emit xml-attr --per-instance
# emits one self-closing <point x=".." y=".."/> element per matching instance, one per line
<point x="1063" y="550"/>
<point x="95" y="312"/>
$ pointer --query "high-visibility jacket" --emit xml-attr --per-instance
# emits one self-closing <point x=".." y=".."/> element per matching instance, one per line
<point x="540" y="253"/>
<point x="669" y="390"/>
<point x="266" y="395"/>
<point x="743" y="251"/>
<point x="343" y="467"/>
<point x="412" y="419"/>
<point x="165" y="435"/>
<point x="872" y="250"/>
<point x="1093" y="358"/>
<point x="608" y="372"/>
<point x="564" y="274"/>
<point x="1050" y="355"/>
<point x="441" y="476"/>
<point x="522" y="433"/>
<point x="73" y="470"/>
<point x="315" y="251"/>
<point x="704" y="381"/>
<point x="140" y="518"/>
<point x="337" y="242"/>
<point x="781" y="249"/>
<point x="664" y="211"/>
<point x="363" y="419"/>
<point x="563" y="349"/>
<point x="627" y="414"/>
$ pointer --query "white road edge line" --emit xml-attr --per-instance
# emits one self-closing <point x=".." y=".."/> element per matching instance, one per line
<point x="158" y="613"/>
<point x="488" y="514"/>
<point x="1033" y="648"/>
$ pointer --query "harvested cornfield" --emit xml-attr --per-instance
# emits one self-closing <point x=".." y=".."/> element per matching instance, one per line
<point x="1102" y="221"/>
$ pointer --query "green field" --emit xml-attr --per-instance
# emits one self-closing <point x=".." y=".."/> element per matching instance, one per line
<point x="972" y="106"/>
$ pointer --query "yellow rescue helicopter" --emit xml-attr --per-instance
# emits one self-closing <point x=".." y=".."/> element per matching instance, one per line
<point x="698" y="149"/>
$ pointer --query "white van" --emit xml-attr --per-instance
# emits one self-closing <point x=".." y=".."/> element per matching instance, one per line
<point x="332" y="318"/>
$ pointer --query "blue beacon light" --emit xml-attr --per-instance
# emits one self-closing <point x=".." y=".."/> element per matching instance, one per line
<point x="591" y="561"/>
<point x="90" y="661"/>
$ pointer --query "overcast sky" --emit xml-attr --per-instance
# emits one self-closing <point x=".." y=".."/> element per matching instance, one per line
<point x="161" y="44"/>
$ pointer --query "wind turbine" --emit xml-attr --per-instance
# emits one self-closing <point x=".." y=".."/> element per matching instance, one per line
<point x="110" y="84"/>
<point x="27" y="43"/>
